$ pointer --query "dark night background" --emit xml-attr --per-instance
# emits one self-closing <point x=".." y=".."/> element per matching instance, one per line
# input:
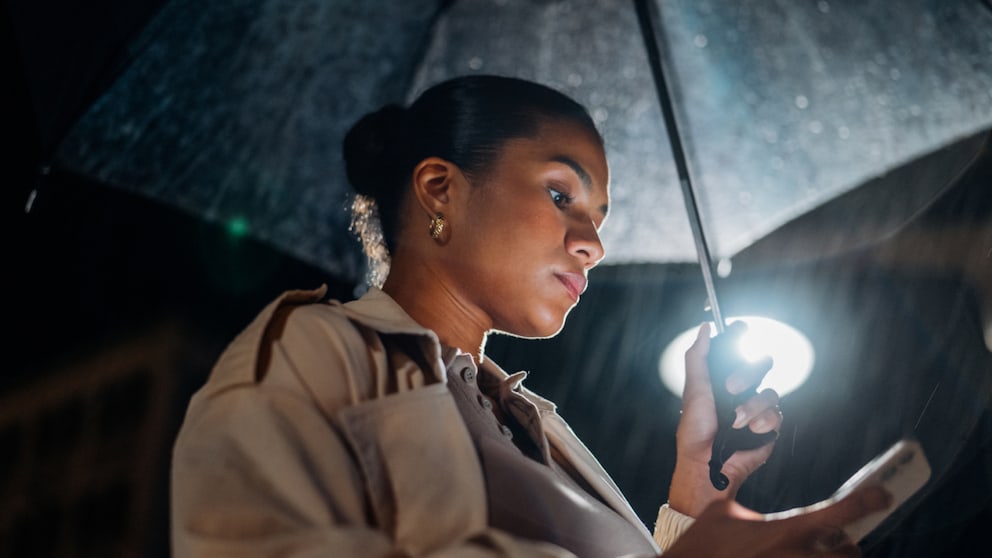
<point x="118" y="305"/>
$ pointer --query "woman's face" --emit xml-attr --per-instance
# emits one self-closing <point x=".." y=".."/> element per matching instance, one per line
<point x="530" y="230"/>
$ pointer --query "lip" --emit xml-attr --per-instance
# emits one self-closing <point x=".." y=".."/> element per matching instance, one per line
<point x="575" y="284"/>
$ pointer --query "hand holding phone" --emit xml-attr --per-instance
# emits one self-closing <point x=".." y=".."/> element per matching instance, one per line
<point x="901" y="470"/>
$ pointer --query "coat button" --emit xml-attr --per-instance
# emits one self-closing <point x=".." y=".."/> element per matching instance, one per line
<point x="468" y="375"/>
<point x="486" y="403"/>
<point x="506" y="431"/>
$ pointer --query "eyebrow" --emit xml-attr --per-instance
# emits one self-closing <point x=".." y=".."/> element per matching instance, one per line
<point x="583" y="176"/>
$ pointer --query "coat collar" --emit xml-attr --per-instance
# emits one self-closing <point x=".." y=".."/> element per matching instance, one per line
<point x="377" y="310"/>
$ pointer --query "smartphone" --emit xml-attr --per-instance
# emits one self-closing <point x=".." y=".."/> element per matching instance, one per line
<point x="901" y="470"/>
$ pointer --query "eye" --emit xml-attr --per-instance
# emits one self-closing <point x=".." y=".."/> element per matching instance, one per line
<point x="559" y="198"/>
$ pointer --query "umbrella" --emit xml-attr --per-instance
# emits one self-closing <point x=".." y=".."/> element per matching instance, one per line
<point x="232" y="111"/>
<point x="235" y="111"/>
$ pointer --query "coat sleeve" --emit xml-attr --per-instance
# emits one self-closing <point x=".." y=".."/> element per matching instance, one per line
<point x="259" y="470"/>
<point x="670" y="526"/>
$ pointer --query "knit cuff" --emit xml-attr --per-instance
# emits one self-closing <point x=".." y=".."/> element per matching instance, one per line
<point x="670" y="526"/>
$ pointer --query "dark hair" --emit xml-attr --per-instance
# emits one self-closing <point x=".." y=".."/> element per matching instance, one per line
<point x="465" y="120"/>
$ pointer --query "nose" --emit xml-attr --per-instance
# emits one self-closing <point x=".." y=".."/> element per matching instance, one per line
<point x="582" y="241"/>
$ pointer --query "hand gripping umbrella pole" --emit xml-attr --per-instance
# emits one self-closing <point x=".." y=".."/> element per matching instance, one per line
<point x="727" y="439"/>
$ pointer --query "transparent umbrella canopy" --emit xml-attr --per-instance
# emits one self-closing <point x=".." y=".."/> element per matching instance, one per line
<point x="235" y="110"/>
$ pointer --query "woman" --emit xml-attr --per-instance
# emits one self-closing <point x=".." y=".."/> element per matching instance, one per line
<point x="379" y="428"/>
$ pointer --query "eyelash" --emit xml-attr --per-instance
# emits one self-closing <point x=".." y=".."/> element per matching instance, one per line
<point x="560" y="199"/>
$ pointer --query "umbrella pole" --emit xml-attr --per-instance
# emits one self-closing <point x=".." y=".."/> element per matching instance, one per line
<point x="650" y="34"/>
<point x="726" y="441"/>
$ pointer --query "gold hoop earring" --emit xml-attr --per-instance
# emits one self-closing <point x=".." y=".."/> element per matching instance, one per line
<point x="439" y="229"/>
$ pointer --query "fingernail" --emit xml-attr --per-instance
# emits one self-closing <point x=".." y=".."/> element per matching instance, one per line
<point x="740" y="420"/>
<point x="734" y="385"/>
<point x="877" y="498"/>
<point x="759" y="425"/>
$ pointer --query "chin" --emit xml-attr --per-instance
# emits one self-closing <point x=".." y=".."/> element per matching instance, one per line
<point x="547" y="325"/>
<point x="535" y="335"/>
<point x="532" y="331"/>
<point x="541" y="322"/>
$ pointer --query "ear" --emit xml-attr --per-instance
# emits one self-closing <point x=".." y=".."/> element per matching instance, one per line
<point x="434" y="182"/>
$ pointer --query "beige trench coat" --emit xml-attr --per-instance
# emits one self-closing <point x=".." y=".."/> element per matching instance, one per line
<point x="292" y="448"/>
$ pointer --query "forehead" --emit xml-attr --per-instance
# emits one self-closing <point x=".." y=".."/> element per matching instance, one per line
<point x="566" y="143"/>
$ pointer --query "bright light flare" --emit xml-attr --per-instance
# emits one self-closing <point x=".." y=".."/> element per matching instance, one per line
<point x="791" y="352"/>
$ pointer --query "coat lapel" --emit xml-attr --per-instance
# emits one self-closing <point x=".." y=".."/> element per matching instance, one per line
<point x="565" y="441"/>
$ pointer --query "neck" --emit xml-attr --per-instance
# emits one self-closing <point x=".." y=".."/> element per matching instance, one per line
<point x="432" y="302"/>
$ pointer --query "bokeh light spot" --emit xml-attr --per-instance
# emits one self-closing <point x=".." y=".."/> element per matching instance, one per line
<point x="791" y="352"/>
<point x="237" y="227"/>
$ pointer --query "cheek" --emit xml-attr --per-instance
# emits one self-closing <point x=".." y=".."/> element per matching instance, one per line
<point x="515" y="235"/>
<point x="537" y="228"/>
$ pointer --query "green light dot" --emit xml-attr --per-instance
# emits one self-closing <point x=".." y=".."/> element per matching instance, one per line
<point x="237" y="227"/>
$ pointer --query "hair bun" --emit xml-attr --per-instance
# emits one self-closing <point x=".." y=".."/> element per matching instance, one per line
<point x="372" y="147"/>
